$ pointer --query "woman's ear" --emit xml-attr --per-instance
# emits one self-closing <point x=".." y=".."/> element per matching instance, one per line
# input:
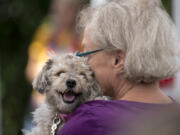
<point x="118" y="60"/>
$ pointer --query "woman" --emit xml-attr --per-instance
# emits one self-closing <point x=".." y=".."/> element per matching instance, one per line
<point x="137" y="46"/>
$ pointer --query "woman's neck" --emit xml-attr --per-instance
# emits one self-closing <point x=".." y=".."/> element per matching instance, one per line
<point x="147" y="93"/>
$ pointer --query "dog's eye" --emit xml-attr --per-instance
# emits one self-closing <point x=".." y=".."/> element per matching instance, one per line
<point x="83" y="74"/>
<point x="93" y="75"/>
<point x="59" y="73"/>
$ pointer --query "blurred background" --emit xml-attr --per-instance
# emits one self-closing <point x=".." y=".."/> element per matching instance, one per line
<point x="29" y="29"/>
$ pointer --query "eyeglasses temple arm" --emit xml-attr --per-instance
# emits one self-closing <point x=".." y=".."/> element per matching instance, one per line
<point x="87" y="53"/>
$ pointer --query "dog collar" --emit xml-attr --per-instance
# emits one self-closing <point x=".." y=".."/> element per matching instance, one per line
<point x="57" y="120"/>
<point x="65" y="117"/>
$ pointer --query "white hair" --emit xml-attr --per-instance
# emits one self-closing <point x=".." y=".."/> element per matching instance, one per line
<point x="142" y="30"/>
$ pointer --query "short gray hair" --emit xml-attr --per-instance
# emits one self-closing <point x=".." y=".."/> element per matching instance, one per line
<point x="142" y="30"/>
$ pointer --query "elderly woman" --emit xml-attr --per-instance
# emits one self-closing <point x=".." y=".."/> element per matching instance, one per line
<point x="133" y="44"/>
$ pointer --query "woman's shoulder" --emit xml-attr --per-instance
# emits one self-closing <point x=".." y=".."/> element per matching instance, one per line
<point x="102" y="109"/>
<point x="110" y="111"/>
<point x="84" y="120"/>
<point x="100" y="116"/>
<point x="94" y="116"/>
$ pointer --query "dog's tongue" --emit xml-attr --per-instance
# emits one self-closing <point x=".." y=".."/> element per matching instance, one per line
<point x="69" y="97"/>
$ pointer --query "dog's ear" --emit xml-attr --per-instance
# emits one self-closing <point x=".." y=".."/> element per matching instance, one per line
<point x="41" y="82"/>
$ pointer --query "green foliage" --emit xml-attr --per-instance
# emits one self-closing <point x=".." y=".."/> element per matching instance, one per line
<point x="19" y="19"/>
<point x="168" y="5"/>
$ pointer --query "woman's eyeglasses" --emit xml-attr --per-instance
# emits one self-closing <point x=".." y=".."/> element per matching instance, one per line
<point x="87" y="53"/>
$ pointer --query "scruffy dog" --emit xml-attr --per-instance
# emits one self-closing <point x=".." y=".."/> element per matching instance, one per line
<point x="67" y="82"/>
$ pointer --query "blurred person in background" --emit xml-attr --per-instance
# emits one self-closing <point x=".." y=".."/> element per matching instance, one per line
<point x="131" y="45"/>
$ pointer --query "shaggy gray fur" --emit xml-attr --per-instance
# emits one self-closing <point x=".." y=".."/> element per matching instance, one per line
<point x="52" y="81"/>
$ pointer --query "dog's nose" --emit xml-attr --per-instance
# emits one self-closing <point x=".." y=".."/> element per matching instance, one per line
<point x="70" y="83"/>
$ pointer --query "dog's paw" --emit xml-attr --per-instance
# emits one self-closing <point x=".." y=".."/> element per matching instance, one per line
<point x="102" y="98"/>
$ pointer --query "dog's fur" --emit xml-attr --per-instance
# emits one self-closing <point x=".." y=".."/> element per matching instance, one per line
<point x="52" y="81"/>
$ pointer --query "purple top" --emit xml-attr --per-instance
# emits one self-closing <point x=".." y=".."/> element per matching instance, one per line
<point x="100" y="117"/>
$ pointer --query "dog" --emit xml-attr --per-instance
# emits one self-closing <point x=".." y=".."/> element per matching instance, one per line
<point x="67" y="81"/>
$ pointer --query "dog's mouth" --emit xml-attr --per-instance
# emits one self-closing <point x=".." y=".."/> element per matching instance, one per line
<point x="70" y="96"/>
